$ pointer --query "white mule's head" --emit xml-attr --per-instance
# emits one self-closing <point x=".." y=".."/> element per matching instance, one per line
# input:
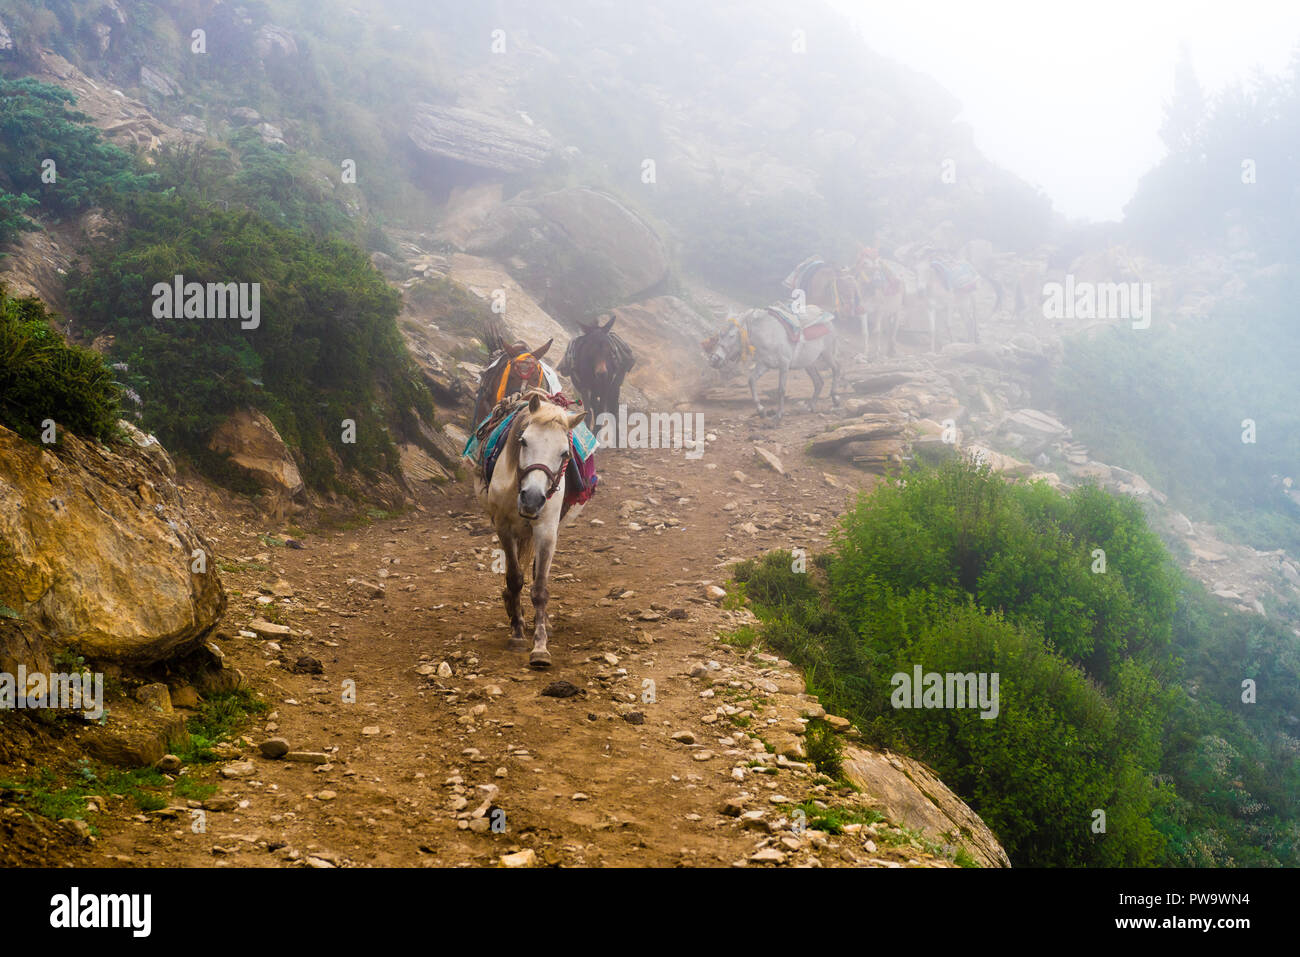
<point x="542" y="454"/>
<point x="728" y="345"/>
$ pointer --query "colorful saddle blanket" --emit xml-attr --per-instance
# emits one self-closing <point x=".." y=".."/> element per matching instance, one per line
<point x="485" y="445"/>
<point x="884" y="282"/>
<point x="958" y="276"/>
<point x="801" y="272"/>
<point x="813" y="324"/>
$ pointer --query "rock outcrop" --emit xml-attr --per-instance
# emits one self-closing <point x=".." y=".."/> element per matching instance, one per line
<point x="96" y="553"/>
<point x="275" y="41"/>
<point x="911" y="794"/>
<point x="573" y="246"/>
<point x="159" y="82"/>
<point x="523" y="318"/>
<point x="478" y="139"/>
<point x="255" y="447"/>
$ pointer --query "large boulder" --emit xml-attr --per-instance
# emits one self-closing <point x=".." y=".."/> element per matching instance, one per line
<point x="478" y="139"/>
<point x="254" y="446"/>
<point x="273" y="40"/>
<point x="576" y="249"/>
<point x="522" y="317"/>
<point x="6" y="41"/>
<point x="910" y="794"/>
<point x="96" y="553"/>
<point x="1031" y="431"/>
<point x="159" y="82"/>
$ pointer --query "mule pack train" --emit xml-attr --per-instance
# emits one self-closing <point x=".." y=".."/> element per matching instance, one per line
<point x="535" y="458"/>
<point x="532" y="447"/>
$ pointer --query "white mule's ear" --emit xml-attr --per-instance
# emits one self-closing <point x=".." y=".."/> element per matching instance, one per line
<point x="534" y="403"/>
<point x="575" y="418"/>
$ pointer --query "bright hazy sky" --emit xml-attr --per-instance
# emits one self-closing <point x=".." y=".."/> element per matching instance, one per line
<point x="1070" y="95"/>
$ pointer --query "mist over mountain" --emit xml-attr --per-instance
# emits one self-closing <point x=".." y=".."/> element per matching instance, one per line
<point x="259" y="262"/>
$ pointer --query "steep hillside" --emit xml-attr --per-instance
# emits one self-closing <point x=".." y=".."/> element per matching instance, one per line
<point x="398" y="177"/>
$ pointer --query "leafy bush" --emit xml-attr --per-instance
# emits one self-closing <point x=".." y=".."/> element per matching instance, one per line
<point x="956" y="571"/>
<point x="825" y="749"/>
<point x="43" y="377"/>
<point x="36" y="129"/>
<point x="327" y="348"/>
<point x="283" y="188"/>
<point x="1026" y="550"/>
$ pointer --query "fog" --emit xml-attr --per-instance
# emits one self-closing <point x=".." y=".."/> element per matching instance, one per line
<point x="1069" y="96"/>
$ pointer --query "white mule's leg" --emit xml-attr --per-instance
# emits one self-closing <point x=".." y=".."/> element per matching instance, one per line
<point x="543" y="552"/>
<point x="511" y="593"/>
<point x="753" y="387"/>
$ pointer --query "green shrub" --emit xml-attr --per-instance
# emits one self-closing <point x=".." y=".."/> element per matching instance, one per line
<point x="956" y="571"/>
<point x="37" y="130"/>
<point x="825" y="749"/>
<point x="327" y="348"/>
<point x="43" y="377"/>
<point x="958" y="531"/>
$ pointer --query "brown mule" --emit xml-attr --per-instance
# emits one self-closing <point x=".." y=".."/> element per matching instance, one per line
<point x="597" y="361"/>
<point x="513" y="368"/>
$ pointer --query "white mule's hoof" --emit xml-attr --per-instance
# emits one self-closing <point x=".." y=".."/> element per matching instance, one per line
<point x="539" y="659"/>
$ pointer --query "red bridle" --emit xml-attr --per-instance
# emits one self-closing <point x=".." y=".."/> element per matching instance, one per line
<point x="553" y="478"/>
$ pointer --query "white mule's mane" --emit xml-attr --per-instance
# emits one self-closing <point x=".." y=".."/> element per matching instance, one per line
<point x="548" y="413"/>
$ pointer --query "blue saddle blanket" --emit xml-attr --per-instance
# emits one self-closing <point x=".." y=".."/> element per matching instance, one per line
<point x="582" y="445"/>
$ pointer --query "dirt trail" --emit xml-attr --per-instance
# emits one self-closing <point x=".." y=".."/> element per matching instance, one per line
<point x="577" y="780"/>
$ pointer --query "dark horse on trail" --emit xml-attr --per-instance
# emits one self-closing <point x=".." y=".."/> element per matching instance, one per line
<point x="513" y="367"/>
<point x="597" y="361"/>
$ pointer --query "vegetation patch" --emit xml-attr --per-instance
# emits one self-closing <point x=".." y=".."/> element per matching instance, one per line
<point x="1119" y="691"/>
<point x="325" y="351"/>
<point x="1171" y="404"/>
<point x="42" y="377"/>
<point x="52" y="161"/>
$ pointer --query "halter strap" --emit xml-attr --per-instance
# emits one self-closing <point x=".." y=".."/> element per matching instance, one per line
<point x="553" y="478"/>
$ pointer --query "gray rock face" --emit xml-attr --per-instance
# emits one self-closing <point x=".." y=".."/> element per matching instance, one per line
<point x="600" y="222"/>
<point x="573" y="244"/>
<point x="271" y="134"/>
<point x="273" y="40"/>
<point x="488" y="142"/>
<point x="6" y="41"/>
<point x="112" y="11"/>
<point x="159" y="82"/>
<point x="103" y="36"/>
<point x="911" y="795"/>
<point x="99" y="555"/>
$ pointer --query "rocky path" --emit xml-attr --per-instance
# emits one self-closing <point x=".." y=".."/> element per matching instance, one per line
<point x="673" y="747"/>
<point x="414" y="738"/>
